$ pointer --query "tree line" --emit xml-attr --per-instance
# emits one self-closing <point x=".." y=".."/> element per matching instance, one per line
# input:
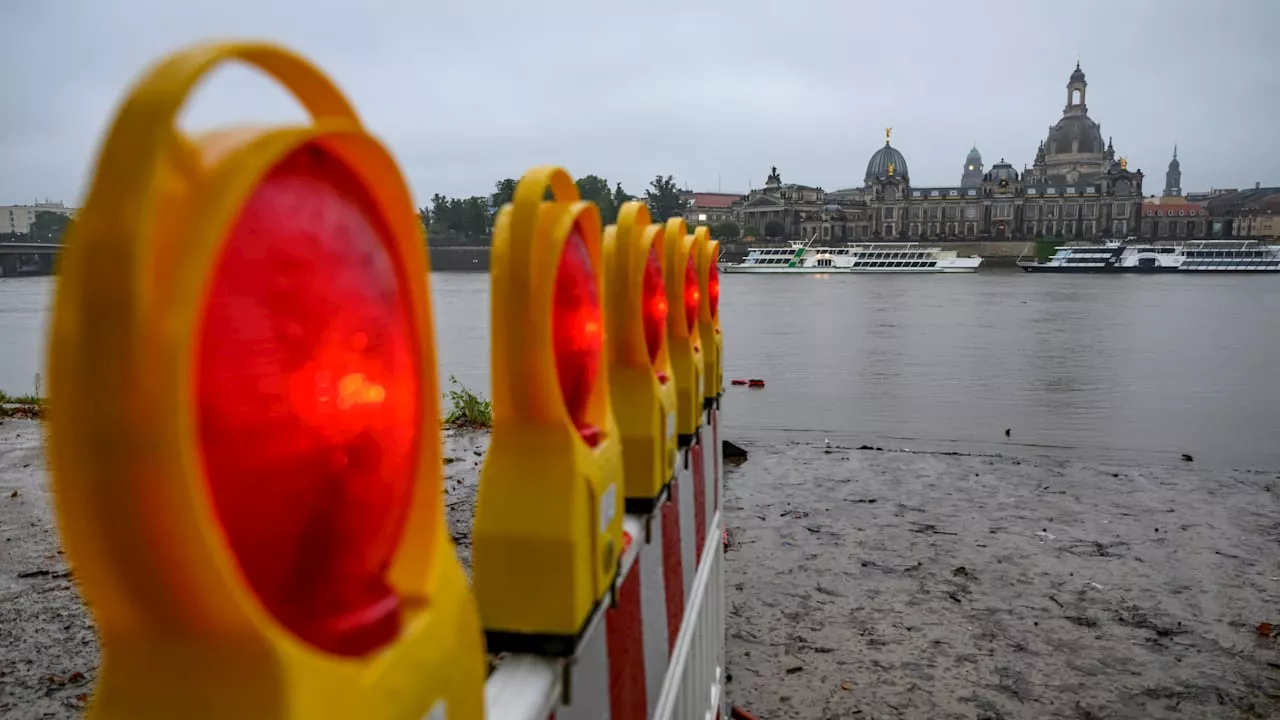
<point x="469" y="220"/>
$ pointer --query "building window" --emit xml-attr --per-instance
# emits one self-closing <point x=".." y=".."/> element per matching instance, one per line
<point x="1088" y="229"/>
<point x="1030" y="211"/>
<point x="1003" y="211"/>
<point x="886" y="213"/>
<point x="1120" y="210"/>
<point x="971" y="212"/>
<point x="1091" y="210"/>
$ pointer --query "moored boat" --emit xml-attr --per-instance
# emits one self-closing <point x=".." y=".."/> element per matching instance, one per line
<point x="801" y="257"/>
<point x="1196" y="256"/>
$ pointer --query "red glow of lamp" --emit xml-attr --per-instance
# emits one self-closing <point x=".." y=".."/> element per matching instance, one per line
<point x="655" y="305"/>
<point x="577" y="332"/>
<point x="309" y="397"/>
<point x="691" y="294"/>
<point x="713" y="289"/>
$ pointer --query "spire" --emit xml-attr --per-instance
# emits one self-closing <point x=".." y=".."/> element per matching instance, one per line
<point x="1175" y="151"/>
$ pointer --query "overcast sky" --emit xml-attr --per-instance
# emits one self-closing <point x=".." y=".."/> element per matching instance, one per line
<point x="715" y="92"/>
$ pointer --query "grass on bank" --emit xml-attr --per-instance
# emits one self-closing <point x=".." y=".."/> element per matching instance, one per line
<point x="28" y="405"/>
<point x="466" y="408"/>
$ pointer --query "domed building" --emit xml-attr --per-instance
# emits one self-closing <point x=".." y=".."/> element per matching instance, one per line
<point x="1074" y="149"/>
<point x="886" y="163"/>
<point x="1076" y="189"/>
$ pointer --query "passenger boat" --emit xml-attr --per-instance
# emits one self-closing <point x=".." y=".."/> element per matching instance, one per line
<point x="1197" y="256"/>
<point x="801" y="257"/>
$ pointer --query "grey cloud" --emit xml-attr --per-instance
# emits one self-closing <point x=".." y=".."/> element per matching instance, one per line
<point x="713" y="92"/>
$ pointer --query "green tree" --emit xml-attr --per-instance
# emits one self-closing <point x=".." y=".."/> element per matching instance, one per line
<point x="594" y="188"/>
<point x="750" y="231"/>
<point x="621" y="196"/>
<point x="774" y="229"/>
<point x="726" y="230"/>
<point x="48" y="227"/>
<point x="663" y="198"/>
<point x="504" y="190"/>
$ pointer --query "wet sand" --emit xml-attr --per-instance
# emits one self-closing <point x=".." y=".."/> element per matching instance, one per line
<point x="869" y="584"/>
<point x="874" y="584"/>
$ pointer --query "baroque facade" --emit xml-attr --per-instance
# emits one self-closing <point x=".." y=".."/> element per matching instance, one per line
<point x="1076" y="188"/>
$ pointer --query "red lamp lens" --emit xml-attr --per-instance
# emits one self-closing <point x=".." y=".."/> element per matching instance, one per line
<point x="310" y="403"/>
<point x="713" y="289"/>
<point x="577" y="330"/>
<point x="691" y="294"/>
<point x="655" y="305"/>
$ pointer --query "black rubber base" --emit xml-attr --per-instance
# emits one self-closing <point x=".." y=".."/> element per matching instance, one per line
<point x="646" y="506"/>
<point x="561" y="646"/>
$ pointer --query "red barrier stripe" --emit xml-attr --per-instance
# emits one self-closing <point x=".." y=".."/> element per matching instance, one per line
<point x="624" y="624"/>
<point x="672" y="566"/>
<point x="699" y="501"/>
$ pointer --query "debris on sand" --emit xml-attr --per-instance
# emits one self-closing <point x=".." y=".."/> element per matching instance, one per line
<point x="950" y="597"/>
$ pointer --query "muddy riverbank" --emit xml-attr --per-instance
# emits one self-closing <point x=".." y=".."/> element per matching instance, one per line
<point x="876" y="584"/>
<point x="869" y="584"/>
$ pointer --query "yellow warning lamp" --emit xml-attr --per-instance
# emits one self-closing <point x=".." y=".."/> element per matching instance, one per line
<point x="548" y="528"/>
<point x="684" y="347"/>
<point x="709" y="315"/>
<point x="245" y="429"/>
<point x="641" y="385"/>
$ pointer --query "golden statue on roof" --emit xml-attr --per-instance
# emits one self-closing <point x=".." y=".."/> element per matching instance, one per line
<point x="887" y="131"/>
<point x="890" y="169"/>
<point x="1124" y="163"/>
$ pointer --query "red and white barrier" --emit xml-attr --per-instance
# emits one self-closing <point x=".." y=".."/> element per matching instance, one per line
<point x="656" y="652"/>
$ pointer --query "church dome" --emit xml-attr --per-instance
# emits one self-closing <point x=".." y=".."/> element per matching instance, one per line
<point x="878" y="166"/>
<point x="1074" y="134"/>
<point x="1078" y="75"/>
<point x="1002" y="171"/>
<point x="975" y="157"/>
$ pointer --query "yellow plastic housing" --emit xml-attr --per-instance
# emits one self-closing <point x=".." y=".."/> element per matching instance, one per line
<point x="643" y="391"/>
<point x="182" y="633"/>
<point x="683" y="344"/>
<point x="709" y="322"/>
<point x="547" y="536"/>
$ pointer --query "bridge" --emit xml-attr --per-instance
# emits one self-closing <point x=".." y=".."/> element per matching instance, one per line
<point x="28" y="258"/>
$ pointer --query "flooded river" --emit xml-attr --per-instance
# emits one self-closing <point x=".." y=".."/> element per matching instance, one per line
<point x="1123" y="367"/>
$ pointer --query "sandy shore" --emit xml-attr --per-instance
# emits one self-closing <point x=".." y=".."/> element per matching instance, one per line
<point x="870" y="584"/>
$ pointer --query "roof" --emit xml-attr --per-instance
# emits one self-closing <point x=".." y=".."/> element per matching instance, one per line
<point x="1172" y="207"/>
<point x="878" y="167"/>
<point x="711" y="201"/>
<point x="1234" y="203"/>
